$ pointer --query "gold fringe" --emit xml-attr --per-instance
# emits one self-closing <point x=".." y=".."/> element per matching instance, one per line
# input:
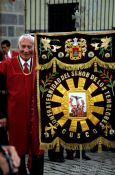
<point x="75" y="32"/>
<point x="54" y="66"/>
<point x="81" y="148"/>
<point x="69" y="67"/>
<point x="76" y="146"/>
<point x="58" y="145"/>
<point x="95" y="67"/>
<point x="100" y="146"/>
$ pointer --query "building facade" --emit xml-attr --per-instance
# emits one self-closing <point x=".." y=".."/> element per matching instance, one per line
<point x="57" y="15"/>
<point x="12" y="19"/>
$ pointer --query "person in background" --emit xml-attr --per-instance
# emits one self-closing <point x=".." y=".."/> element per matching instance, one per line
<point x="71" y="156"/>
<point x="3" y="107"/>
<point x="22" y="123"/>
<point x="1" y="56"/>
<point x="3" y="111"/>
<point x="9" y="160"/>
<point x="56" y="156"/>
<point x="6" y="50"/>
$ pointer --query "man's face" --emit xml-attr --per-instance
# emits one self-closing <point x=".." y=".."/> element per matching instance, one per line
<point x="26" y="49"/>
<point x="5" y="49"/>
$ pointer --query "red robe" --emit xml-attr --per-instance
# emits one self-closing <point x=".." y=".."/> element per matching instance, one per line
<point x="22" y="122"/>
<point x="13" y="54"/>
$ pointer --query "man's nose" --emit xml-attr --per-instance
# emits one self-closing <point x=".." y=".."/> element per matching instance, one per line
<point x="26" y="49"/>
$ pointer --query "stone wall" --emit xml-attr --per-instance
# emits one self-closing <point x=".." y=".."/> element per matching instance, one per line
<point x="12" y="22"/>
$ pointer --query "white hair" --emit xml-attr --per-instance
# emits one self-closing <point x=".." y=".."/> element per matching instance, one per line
<point x="26" y="36"/>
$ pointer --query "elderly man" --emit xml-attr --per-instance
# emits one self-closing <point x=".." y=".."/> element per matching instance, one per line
<point x="22" y="120"/>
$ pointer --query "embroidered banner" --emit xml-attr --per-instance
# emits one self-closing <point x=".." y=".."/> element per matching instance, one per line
<point x="76" y="89"/>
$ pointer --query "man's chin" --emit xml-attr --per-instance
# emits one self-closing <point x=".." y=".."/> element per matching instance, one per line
<point x="26" y="58"/>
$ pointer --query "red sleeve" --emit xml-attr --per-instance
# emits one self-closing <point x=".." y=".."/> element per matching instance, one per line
<point x="4" y="66"/>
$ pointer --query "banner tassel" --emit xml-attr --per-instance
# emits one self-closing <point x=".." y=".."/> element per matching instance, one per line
<point x="100" y="146"/>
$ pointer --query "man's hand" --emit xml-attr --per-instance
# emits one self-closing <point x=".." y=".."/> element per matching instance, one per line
<point x="3" y="122"/>
<point x="3" y="164"/>
<point x="12" y="153"/>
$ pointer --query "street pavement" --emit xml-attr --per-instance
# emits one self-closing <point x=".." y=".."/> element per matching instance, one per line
<point x="100" y="164"/>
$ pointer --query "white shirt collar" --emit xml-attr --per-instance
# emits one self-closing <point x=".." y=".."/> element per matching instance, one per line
<point x="9" y="54"/>
<point x="22" y="61"/>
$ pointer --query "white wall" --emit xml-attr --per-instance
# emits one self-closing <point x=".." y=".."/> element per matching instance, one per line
<point x="95" y="14"/>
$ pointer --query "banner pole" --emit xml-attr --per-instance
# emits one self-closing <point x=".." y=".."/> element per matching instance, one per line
<point x="80" y="159"/>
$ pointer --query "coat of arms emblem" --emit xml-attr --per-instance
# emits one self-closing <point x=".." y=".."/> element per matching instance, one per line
<point x="75" y="50"/>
